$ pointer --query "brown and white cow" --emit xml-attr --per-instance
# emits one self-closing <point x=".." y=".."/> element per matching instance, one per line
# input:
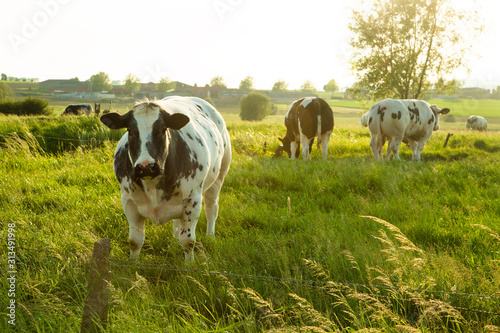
<point x="395" y="120"/>
<point x="476" y="123"/>
<point x="307" y="118"/>
<point x="175" y="153"/>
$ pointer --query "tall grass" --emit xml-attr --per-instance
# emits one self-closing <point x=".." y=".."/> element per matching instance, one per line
<point x="326" y="264"/>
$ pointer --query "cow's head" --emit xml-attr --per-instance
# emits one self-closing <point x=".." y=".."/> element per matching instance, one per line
<point x="285" y="147"/>
<point x="146" y="125"/>
<point x="437" y="113"/>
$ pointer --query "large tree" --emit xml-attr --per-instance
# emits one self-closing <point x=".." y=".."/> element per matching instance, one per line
<point x="132" y="84"/>
<point x="280" y="85"/>
<point x="247" y="83"/>
<point x="218" y="81"/>
<point x="403" y="47"/>
<point x="100" y="82"/>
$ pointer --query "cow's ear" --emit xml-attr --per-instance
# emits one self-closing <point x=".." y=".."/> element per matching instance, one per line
<point x="175" y="121"/>
<point x="115" y="120"/>
<point x="445" y="111"/>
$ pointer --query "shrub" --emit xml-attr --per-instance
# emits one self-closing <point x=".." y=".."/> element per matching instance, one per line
<point x="30" y="106"/>
<point x="255" y="106"/>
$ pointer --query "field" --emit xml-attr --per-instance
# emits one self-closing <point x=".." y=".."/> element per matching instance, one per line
<point x="345" y="244"/>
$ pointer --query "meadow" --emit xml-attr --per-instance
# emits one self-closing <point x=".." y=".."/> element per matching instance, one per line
<point x="347" y="244"/>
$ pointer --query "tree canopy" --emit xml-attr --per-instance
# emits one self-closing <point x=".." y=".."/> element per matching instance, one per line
<point x="331" y="86"/>
<point x="255" y="106"/>
<point x="247" y="83"/>
<point x="165" y="84"/>
<point x="218" y="81"/>
<point x="308" y="86"/>
<point x="280" y="85"/>
<point x="132" y="83"/>
<point x="100" y="82"/>
<point x="404" y="47"/>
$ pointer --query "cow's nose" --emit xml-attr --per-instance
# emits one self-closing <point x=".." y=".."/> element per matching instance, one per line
<point x="146" y="170"/>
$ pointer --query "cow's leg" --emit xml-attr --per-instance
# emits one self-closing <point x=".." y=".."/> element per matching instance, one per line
<point x="293" y="149"/>
<point x="211" y="202"/>
<point x="325" y="138"/>
<point x="136" y="228"/>
<point x="394" y="144"/>
<point x="304" y="140"/>
<point x="177" y="227"/>
<point x="189" y="220"/>
<point x="376" y="147"/>
<point x="416" y="153"/>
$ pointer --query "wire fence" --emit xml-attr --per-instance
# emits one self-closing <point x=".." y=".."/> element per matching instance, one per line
<point x="374" y="290"/>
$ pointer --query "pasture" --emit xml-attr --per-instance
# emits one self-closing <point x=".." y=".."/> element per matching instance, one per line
<point x="293" y="251"/>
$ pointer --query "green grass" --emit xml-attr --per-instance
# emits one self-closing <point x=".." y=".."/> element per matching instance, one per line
<point x="415" y="272"/>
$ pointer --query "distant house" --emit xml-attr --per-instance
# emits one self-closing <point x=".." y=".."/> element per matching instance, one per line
<point x="64" y="86"/>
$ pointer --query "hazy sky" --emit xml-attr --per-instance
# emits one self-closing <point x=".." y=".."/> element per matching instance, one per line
<point x="194" y="40"/>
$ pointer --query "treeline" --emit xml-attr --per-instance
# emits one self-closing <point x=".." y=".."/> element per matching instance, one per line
<point x="30" y="106"/>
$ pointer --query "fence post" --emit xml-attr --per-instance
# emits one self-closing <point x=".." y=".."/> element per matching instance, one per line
<point x="447" y="138"/>
<point x="95" y="312"/>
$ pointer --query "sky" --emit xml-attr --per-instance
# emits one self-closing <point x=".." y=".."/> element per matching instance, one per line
<point x="192" y="41"/>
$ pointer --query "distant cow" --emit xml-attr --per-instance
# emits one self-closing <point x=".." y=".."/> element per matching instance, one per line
<point x="477" y="123"/>
<point x="175" y="153"/>
<point x="395" y="120"/>
<point x="306" y="119"/>
<point x="77" y="109"/>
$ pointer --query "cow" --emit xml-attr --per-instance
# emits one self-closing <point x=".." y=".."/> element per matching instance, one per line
<point x="477" y="123"/>
<point x="307" y="118"/>
<point x="77" y="109"/>
<point x="174" y="155"/>
<point x="395" y="120"/>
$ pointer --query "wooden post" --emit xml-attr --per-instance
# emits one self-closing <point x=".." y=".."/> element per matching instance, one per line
<point x="95" y="312"/>
<point x="447" y="138"/>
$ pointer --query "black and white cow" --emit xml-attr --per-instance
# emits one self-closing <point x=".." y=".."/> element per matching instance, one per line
<point x="77" y="109"/>
<point x="476" y="123"/>
<point x="175" y="153"/>
<point x="395" y="120"/>
<point x="307" y="118"/>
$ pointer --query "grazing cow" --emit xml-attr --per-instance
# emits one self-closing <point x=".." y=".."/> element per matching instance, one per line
<point x="395" y="120"/>
<point x="307" y="118"/>
<point x="175" y="153"/>
<point x="477" y="123"/>
<point x="77" y="109"/>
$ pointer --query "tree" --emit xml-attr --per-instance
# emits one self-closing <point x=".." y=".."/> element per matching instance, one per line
<point x="255" y="106"/>
<point x="4" y="77"/>
<point x="5" y="91"/>
<point x="100" y="82"/>
<point x="331" y="86"/>
<point x="218" y="82"/>
<point x="308" y="86"/>
<point x="280" y="85"/>
<point x="247" y="83"/>
<point x="165" y="84"/>
<point x="132" y="83"/>
<point x="400" y="46"/>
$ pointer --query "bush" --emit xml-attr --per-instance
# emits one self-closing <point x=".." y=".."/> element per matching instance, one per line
<point x="30" y="106"/>
<point x="255" y="106"/>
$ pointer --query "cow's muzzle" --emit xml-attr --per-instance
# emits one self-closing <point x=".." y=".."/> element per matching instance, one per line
<point x="147" y="171"/>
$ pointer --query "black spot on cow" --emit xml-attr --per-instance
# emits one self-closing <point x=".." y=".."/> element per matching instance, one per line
<point x="370" y="120"/>
<point x="189" y="235"/>
<point x="394" y="116"/>
<point x="200" y="167"/>
<point x="382" y="116"/>
<point x="431" y="120"/>
<point x="178" y="163"/>
<point x="399" y="115"/>
<point x="189" y="136"/>
<point x="414" y="113"/>
<point x="200" y="142"/>
<point x="213" y="170"/>
<point x="187" y="212"/>
<point x="195" y="204"/>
